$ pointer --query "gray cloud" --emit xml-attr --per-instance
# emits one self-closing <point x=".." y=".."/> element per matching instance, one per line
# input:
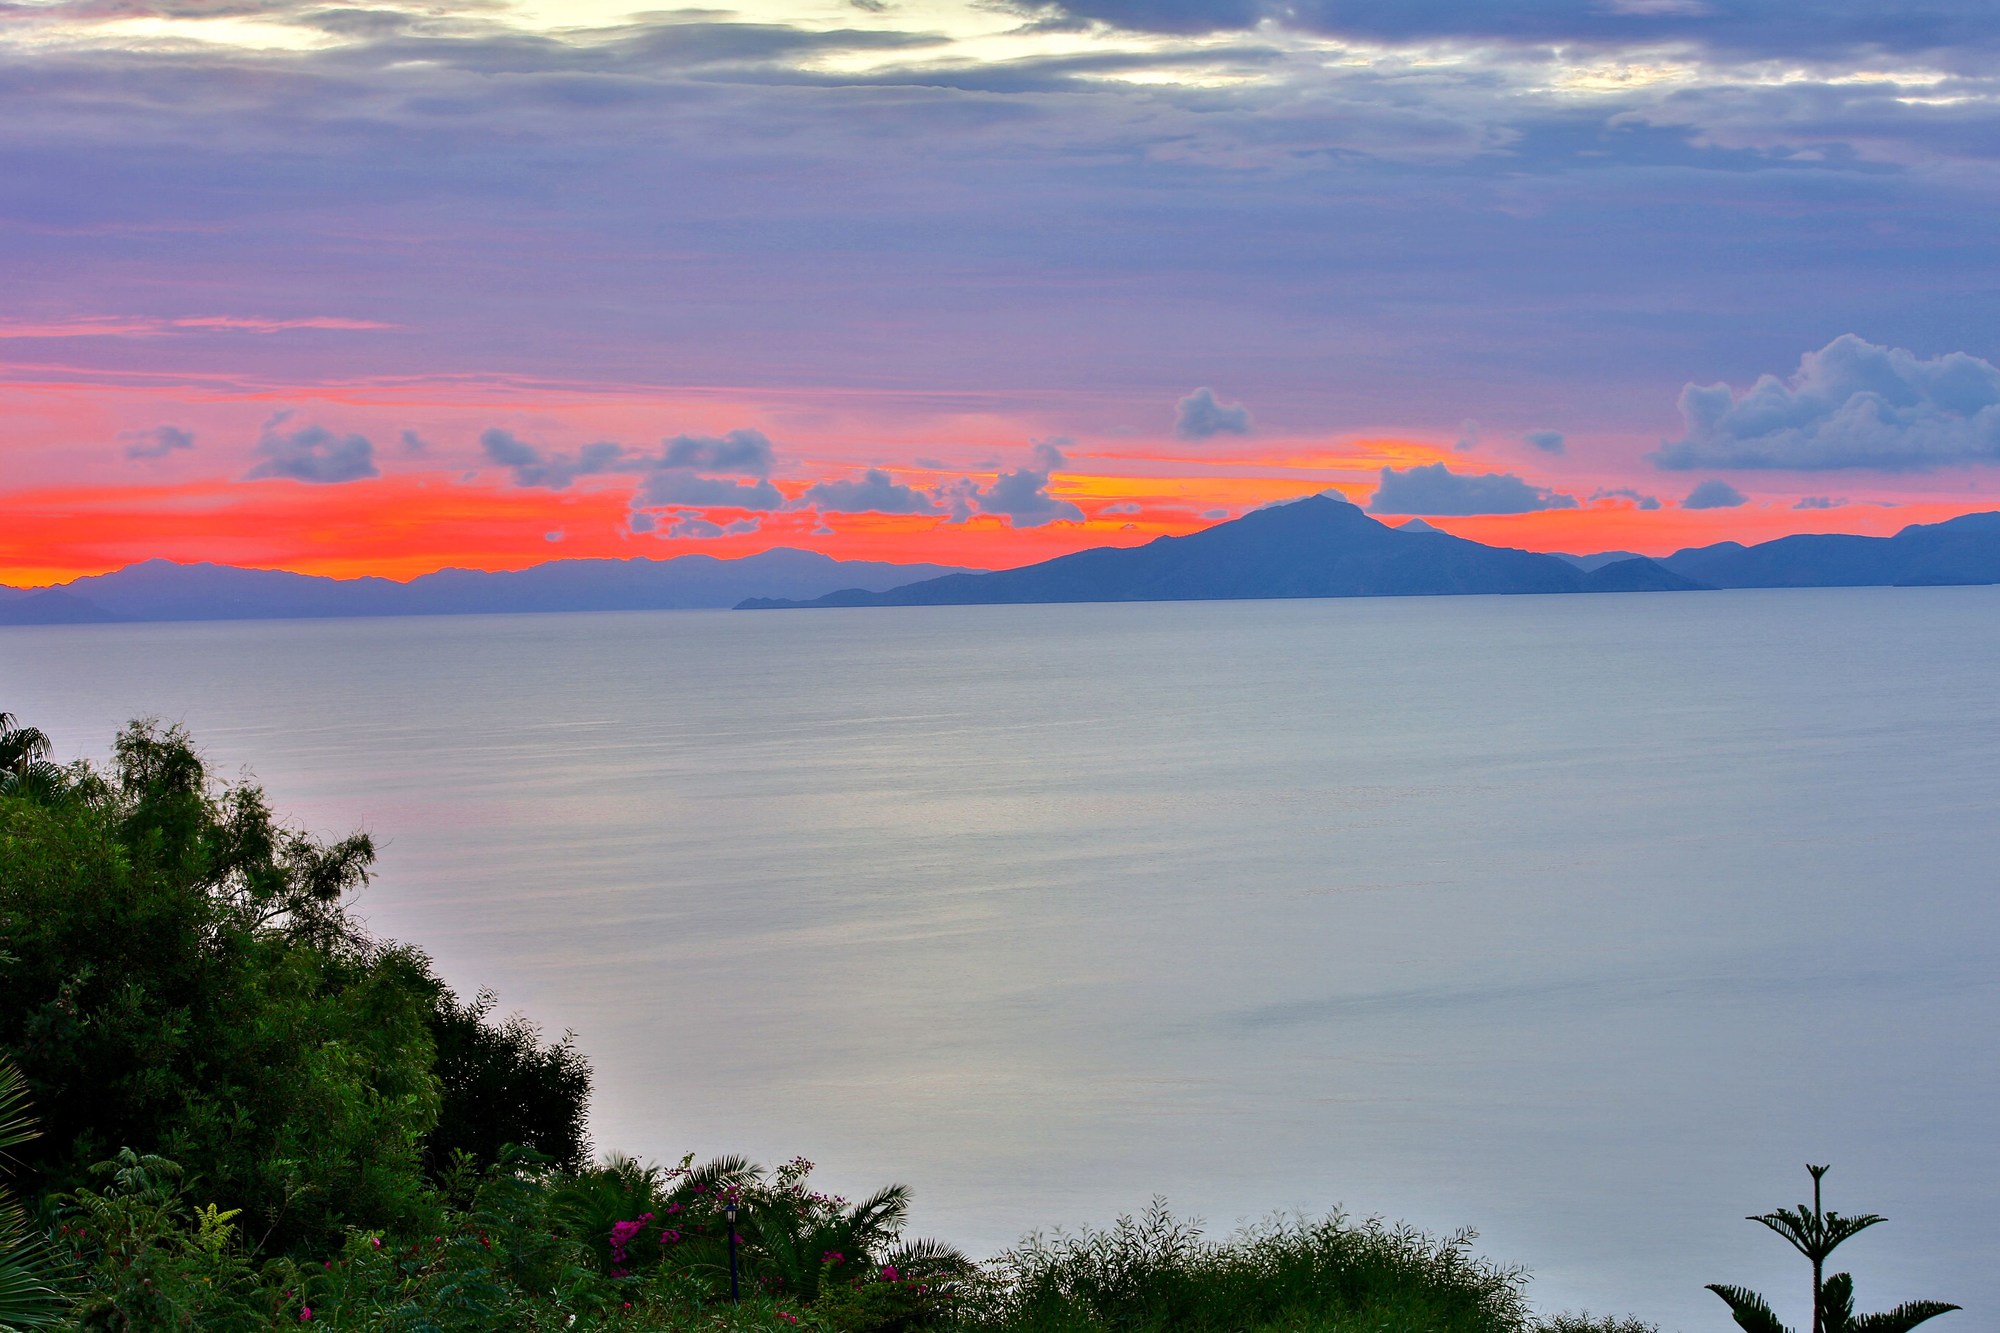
<point x="1548" y="441"/>
<point x="693" y="525"/>
<point x="415" y="444"/>
<point x="1491" y="229"/>
<point x="157" y="442"/>
<point x="1851" y="404"/>
<point x="1819" y="502"/>
<point x="1468" y="436"/>
<point x="667" y="488"/>
<point x="1199" y="416"/>
<point x="1714" y="494"/>
<point x="1754" y="28"/>
<point x="311" y="453"/>
<point x="1639" y="498"/>
<point x="1436" y="489"/>
<point x="1021" y="496"/>
<point x="875" y="491"/>
<point x="553" y="470"/>
<point x="745" y="453"/>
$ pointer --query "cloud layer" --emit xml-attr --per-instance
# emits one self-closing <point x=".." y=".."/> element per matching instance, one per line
<point x="1851" y="404"/>
<point x="1437" y="490"/>
<point x="312" y="453"/>
<point x="1200" y="416"/>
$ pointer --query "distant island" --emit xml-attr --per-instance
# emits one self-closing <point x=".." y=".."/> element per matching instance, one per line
<point x="164" y="590"/>
<point x="1316" y="547"/>
<point x="1324" y="547"/>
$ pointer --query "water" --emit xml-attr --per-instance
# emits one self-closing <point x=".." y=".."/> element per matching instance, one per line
<point x="1582" y="921"/>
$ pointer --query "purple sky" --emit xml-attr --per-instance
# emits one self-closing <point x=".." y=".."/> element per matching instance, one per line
<point x="924" y="237"/>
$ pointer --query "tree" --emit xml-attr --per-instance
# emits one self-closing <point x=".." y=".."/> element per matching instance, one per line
<point x="1816" y="1234"/>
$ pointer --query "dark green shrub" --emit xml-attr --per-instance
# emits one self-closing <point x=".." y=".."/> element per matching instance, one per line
<point x="188" y="983"/>
<point x="501" y="1086"/>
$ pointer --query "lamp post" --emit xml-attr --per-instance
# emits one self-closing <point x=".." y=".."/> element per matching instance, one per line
<point x="735" y="1292"/>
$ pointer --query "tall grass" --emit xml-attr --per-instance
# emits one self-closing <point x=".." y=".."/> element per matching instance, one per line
<point x="1158" y="1272"/>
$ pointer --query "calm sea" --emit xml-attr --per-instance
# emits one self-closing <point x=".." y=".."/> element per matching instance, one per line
<point x="1581" y="921"/>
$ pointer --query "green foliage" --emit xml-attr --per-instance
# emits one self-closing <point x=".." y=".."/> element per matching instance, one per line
<point x="1156" y="1272"/>
<point x="1816" y="1233"/>
<point x="189" y="983"/>
<point x="500" y="1085"/>
<point x="28" y="1297"/>
<point x="1581" y="1322"/>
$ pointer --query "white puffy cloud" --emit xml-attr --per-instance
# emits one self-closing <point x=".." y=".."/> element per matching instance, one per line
<point x="1851" y="404"/>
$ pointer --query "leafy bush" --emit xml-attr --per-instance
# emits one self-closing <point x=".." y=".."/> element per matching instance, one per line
<point x="188" y="982"/>
<point x="1156" y="1272"/>
<point x="501" y="1086"/>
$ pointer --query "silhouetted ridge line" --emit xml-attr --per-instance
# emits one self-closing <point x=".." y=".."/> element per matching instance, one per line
<point x="164" y="590"/>
<point x="1315" y="547"/>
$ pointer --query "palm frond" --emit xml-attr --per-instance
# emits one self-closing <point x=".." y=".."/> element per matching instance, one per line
<point x="1836" y="1303"/>
<point x="27" y="1299"/>
<point x="1903" y="1318"/>
<point x="929" y="1258"/>
<point x="1753" y="1314"/>
<point x="882" y="1213"/>
<point x="17" y="1126"/>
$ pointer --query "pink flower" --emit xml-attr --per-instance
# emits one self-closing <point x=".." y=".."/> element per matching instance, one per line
<point x="832" y="1257"/>
<point x="305" y="1315"/>
<point x="788" y="1318"/>
<point x="888" y="1272"/>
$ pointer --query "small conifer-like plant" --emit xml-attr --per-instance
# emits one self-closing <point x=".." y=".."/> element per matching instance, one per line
<point x="1815" y="1234"/>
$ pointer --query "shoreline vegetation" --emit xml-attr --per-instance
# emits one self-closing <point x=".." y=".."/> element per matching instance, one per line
<point x="225" y="1106"/>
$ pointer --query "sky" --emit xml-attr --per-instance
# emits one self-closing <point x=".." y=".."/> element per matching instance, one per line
<point x="384" y="288"/>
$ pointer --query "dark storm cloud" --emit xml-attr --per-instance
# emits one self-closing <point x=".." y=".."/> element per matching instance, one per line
<point x="1436" y="489"/>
